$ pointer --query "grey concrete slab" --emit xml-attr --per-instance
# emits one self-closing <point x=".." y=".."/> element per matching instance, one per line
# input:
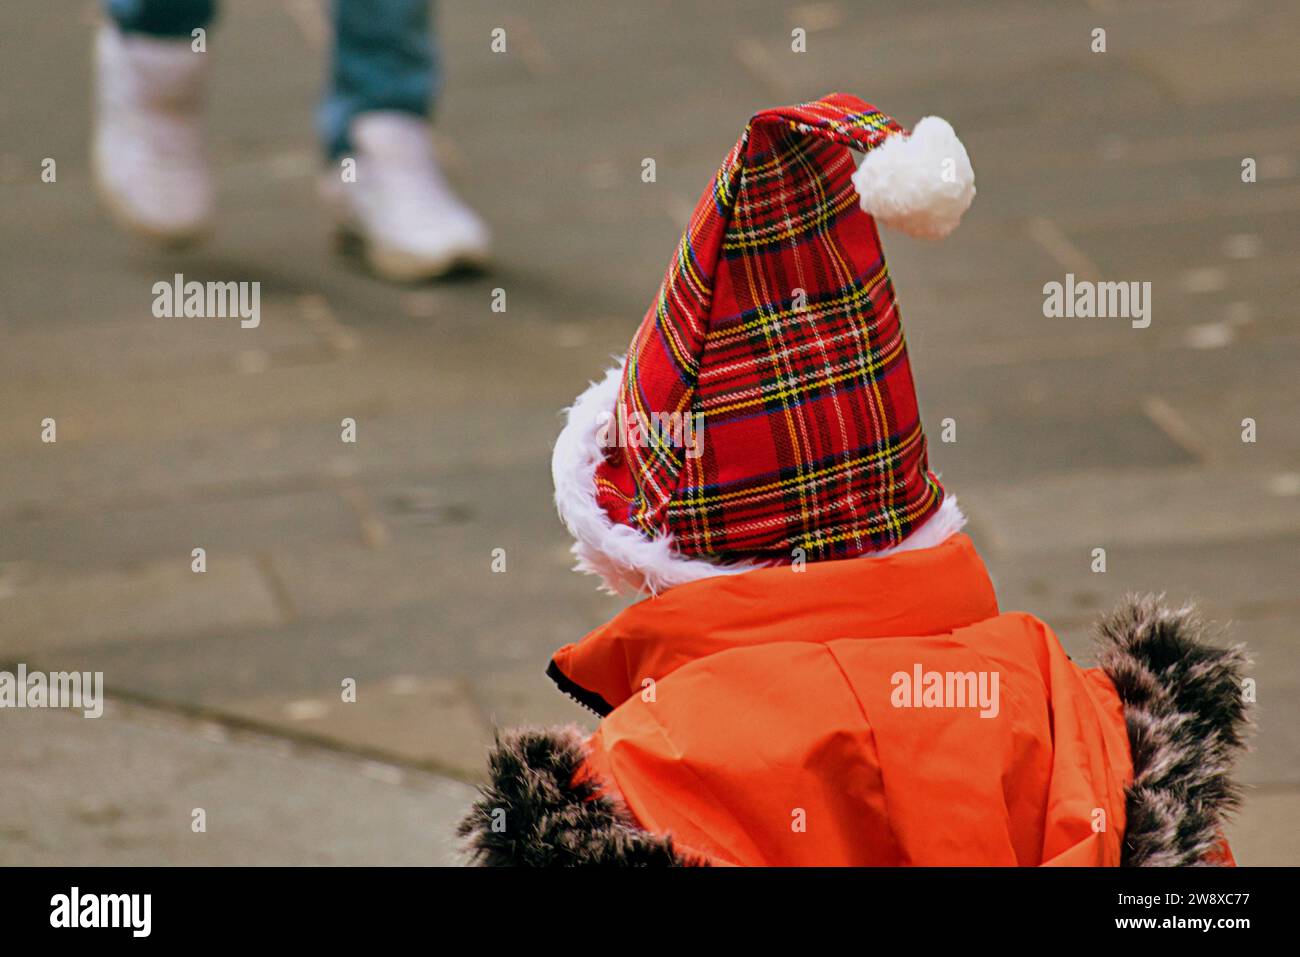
<point x="123" y="789"/>
<point x="43" y="609"/>
<point x="1230" y="579"/>
<point x="1275" y="752"/>
<point x="1131" y="507"/>
<point x="223" y="526"/>
<point x="994" y="444"/>
<point x="415" y="720"/>
<point x="1264" y="833"/>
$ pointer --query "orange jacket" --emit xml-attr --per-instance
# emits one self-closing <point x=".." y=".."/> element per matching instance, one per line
<point x="775" y="718"/>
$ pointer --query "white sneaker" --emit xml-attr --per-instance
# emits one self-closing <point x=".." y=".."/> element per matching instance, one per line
<point x="150" y="160"/>
<point x="402" y="210"/>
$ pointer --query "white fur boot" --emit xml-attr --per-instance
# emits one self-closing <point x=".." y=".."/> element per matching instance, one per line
<point x="400" y="206"/>
<point x="150" y="157"/>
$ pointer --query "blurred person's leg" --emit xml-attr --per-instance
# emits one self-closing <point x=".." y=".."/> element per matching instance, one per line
<point x="377" y="111"/>
<point x="150" y="157"/>
<point x="384" y="58"/>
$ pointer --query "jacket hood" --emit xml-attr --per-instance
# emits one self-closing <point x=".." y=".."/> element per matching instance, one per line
<point x="656" y="636"/>
<point x="1187" y="720"/>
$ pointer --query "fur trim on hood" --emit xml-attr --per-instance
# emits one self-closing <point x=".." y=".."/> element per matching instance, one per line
<point x="533" y="814"/>
<point x="1186" y="720"/>
<point x="1183" y="708"/>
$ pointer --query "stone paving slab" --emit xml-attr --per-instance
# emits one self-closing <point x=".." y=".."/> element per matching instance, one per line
<point x="428" y="722"/>
<point x="1259" y="835"/>
<point x="1275" y="752"/>
<point x="1136" y="507"/>
<point x="1231" y="580"/>
<point x="44" y="610"/>
<point x="1005" y="326"/>
<point x="122" y="789"/>
<point x="240" y="525"/>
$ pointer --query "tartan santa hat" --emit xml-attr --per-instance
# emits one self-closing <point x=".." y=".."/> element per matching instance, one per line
<point x="765" y="410"/>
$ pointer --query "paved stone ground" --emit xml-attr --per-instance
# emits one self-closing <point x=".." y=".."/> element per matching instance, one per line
<point x="141" y="787"/>
<point x="373" y="562"/>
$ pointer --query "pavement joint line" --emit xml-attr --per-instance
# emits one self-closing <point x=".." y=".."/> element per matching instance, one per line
<point x="271" y="734"/>
<point x="375" y="534"/>
<point x="1179" y="431"/>
<point x="242" y="490"/>
<point x="232" y="491"/>
<point x="175" y="370"/>
<point x="280" y="593"/>
<point x="1056" y="244"/>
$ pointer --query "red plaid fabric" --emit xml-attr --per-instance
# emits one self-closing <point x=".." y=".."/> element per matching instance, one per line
<point x="776" y="328"/>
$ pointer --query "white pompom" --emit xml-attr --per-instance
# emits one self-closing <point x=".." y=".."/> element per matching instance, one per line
<point x="920" y="184"/>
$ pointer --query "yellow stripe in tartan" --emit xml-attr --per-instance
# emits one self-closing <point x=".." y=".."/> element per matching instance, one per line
<point x="700" y="283"/>
<point x="753" y="171"/>
<point x="758" y="295"/>
<point x="668" y="333"/>
<point x="754" y="174"/>
<point x="784" y="484"/>
<point x="881" y="423"/>
<point x="756" y="177"/>
<point x="683" y="265"/>
<point x="871" y="121"/>
<point x="892" y="520"/>
<point x="610" y="486"/>
<point x="852" y="298"/>
<point x="799" y="159"/>
<point x="805" y="387"/>
<point x="662" y="454"/>
<point x="824" y="214"/>
<point x="720" y="183"/>
<point x="666" y="453"/>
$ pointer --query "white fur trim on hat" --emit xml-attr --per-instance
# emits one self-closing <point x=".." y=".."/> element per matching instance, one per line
<point x="623" y="558"/>
<point x="920" y="184"/>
